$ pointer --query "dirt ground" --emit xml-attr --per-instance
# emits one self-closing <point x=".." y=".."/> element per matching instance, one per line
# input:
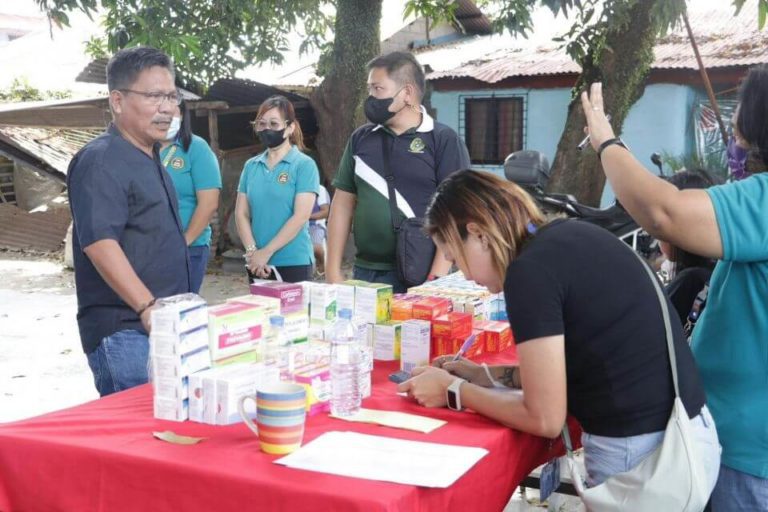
<point x="42" y="365"/>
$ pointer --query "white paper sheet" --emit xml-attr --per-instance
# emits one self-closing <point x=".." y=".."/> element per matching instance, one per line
<point x="395" y="419"/>
<point x="385" y="459"/>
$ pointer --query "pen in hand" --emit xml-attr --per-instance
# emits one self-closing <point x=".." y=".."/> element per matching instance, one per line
<point x="585" y="140"/>
<point x="464" y="347"/>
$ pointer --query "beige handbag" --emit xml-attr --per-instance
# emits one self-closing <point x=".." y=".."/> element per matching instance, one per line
<point x="671" y="479"/>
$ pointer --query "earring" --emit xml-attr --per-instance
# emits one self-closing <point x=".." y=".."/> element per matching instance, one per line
<point x="484" y="242"/>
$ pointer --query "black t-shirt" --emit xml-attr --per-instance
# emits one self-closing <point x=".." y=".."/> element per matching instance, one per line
<point x="117" y="192"/>
<point x="685" y="287"/>
<point x="578" y="280"/>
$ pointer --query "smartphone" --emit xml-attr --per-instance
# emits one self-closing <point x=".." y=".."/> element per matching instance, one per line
<point x="399" y="377"/>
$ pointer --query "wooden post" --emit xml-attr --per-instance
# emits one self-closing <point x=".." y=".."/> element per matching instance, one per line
<point x="705" y="78"/>
<point x="213" y="131"/>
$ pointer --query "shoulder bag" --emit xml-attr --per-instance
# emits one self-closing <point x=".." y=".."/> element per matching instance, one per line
<point x="671" y="478"/>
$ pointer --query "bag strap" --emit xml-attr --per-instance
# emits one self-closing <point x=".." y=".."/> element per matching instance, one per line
<point x="389" y="177"/>
<point x="667" y="332"/>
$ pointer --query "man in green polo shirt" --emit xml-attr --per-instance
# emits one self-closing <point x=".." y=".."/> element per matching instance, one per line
<point x="423" y="153"/>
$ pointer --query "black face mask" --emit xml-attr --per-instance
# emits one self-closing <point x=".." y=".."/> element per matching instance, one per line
<point x="377" y="110"/>
<point x="271" y="138"/>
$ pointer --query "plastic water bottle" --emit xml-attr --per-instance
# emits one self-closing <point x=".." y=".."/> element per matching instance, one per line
<point x="278" y="349"/>
<point x="365" y="338"/>
<point x="346" y="363"/>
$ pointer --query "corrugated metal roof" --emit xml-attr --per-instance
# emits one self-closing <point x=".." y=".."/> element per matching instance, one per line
<point x="55" y="147"/>
<point x="95" y="72"/>
<point x="241" y="92"/>
<point x="723" y="39"/>
<point x="40" y="231"/>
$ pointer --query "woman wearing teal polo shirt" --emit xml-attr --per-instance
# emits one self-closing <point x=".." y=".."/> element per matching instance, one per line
<point x="275" y="197"/>
<point x="194" y="170"/>
<point x="729" y="223"/>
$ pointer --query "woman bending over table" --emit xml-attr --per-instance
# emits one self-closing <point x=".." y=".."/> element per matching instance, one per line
<point x="587" y="323"/>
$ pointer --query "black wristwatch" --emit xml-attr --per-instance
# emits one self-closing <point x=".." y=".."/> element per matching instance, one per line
<point x="452" y="395"/>
<point x="610" y="142"/>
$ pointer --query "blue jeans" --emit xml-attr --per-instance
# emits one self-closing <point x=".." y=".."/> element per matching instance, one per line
<point x="198" y="262"/>
<point x="379" y="276"/>
<point x="120" y="361"/>
<point x="737" y="491"/>
<point x="608" y="456"/>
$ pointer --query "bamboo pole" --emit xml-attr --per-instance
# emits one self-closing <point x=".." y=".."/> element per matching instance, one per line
<point x="705" y="78"/>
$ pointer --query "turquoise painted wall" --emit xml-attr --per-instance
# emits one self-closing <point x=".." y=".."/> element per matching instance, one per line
<point x="658" y="122"/>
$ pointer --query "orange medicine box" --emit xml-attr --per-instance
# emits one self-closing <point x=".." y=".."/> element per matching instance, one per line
<point x="444" y="345"/>
<point x="430" y="308"/>
<point x="498" y="335"/>
<point x="453" y="325"/>
<point x="478" y="347"/>
<point x="402" y="307"/>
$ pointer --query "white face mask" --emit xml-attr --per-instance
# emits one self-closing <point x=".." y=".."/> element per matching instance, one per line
<point x="173" y="130"/>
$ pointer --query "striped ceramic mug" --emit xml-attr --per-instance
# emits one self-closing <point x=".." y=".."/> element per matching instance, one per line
<point x="280" y="416"/>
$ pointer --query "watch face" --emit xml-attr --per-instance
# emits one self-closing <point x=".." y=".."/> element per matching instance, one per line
<point x="451" y="395"/>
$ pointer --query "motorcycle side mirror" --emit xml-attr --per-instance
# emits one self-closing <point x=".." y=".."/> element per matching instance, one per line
<point x="656" y="159"/>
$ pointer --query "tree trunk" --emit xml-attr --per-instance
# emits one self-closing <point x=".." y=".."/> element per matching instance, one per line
<point x="623" y="65"/>
<point x="337" y="100"/>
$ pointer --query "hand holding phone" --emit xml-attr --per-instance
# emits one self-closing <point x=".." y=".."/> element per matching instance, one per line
<point x="399" y="377"/>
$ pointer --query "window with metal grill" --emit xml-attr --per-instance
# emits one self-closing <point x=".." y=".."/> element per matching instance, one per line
<point x="493" y="128"/>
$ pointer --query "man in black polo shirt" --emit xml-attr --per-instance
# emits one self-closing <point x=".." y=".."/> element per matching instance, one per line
<point x="128" y="239"/>
<point x="422" y="154"/>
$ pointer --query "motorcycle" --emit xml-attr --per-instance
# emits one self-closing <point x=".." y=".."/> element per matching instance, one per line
<point x="530" y="170"/>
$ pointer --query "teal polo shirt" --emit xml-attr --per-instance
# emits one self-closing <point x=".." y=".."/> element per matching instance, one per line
<point x="192" y="170"/>
<point x="730" y="341"/>
<point x="271" y="196"/>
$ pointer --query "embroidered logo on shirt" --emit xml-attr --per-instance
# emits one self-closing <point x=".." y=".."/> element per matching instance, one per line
<point x="417" y="146"/>
<point x="282" y="178"/>
<point x="177" y="163"/>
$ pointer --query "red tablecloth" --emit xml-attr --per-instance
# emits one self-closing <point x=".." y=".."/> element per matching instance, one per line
<point x="101" y="456"/>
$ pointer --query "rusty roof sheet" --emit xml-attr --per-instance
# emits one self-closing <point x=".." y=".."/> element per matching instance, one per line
<point x="54" y="146"/>
<point x="723" y="39"/>
<point x="39" y="231"/>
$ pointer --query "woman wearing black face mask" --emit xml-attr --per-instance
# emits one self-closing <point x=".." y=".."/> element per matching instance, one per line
<point x="275" y="197"/>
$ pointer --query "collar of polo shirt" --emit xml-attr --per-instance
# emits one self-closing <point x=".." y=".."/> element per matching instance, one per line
<point x="427" y="123"/>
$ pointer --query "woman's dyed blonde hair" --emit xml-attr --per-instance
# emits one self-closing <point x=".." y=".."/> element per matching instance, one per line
<point x="501" y="210"/>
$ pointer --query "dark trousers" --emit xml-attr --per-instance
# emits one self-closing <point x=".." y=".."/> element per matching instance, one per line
<point x="379" y="276"/>
<point x="198" y="262"/>
<point x="291" y="274"/>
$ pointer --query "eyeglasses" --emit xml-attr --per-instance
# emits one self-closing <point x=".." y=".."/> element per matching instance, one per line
<point x="157" y="98"/>
<point x="272" y="124"/>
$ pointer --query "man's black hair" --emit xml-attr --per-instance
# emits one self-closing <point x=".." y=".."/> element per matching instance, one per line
<point x="124" y="67"/>
<point x="403" y="68"/>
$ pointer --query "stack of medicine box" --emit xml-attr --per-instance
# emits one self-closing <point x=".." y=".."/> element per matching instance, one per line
<point x="467" y="296"/>
<point x="292" y="307"/>
<point x="235" y="330"/>
<point x="179" y="348"/>
<point x="444" y="303"/>
<point x="214" y="394"/>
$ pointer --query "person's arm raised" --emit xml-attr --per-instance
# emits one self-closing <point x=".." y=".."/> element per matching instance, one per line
<point x="685" y="218"/>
